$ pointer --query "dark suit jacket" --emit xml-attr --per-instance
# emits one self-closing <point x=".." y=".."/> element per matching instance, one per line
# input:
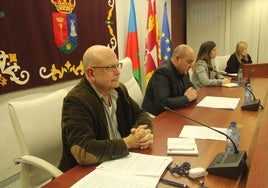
<point x="166" y="88"/>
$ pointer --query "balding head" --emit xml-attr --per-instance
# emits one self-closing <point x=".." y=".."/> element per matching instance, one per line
<point x="97" y="55"/>
<point x="183" y="58"/>
<point x="101" y="68"/>
<point x="182" y="50"/>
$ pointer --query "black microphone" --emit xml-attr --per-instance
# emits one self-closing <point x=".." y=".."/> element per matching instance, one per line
<point x="225" y="164"/>
<point x="249" y="77"/>
<point x="252" y="105"/>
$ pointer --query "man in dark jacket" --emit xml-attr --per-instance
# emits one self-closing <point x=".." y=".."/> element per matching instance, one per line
<point x="170" y="85"/>
<point x="100" y="121"/>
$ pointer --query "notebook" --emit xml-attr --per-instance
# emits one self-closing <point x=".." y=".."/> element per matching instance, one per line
<point x="230" y="85"/>
<point x="182" y="146"/>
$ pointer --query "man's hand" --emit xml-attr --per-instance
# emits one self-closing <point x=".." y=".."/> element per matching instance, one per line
<point x="139" y="138"/>
<point x="191" y="94"/>
<point x="226" y="81"/>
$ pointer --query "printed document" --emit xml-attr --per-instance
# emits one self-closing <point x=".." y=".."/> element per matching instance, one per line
<point x="134" y="170"/>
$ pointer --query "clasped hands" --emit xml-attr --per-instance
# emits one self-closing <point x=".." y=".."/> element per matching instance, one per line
<point x="140" y="137"/>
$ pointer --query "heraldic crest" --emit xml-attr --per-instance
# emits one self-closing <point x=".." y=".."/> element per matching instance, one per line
<point x="64" y="25"/>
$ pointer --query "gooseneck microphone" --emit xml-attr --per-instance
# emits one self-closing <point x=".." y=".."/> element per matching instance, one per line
<point x="249" y="77"/>
<point x="235" y="148"/>
<point x="225" y="164"/>
<point x="254" y="104"/>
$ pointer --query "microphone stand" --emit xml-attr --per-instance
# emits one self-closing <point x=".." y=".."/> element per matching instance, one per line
<point x="225" y="164"/>
<point x="249" y="76"/>
<point x="254" y="104"/>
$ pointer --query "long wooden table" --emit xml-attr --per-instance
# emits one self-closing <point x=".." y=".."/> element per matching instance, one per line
<point x="258" y="174"/>
<point x="169" y="124"/>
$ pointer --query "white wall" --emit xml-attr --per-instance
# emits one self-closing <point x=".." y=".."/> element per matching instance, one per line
<point x="8" y="143"/>
<point x="227" y="22"/>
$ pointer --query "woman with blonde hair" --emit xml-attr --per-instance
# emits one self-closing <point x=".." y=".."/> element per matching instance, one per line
<point x="240" y="56"/>
<point x="204" y="73"/>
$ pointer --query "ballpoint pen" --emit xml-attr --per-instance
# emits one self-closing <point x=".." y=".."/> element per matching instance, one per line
<point x="181" y="149"/>
<point x="173" y="183"/>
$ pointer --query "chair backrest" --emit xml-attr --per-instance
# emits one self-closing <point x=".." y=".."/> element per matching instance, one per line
<point x="221" y="62"/>
<point x="128" y="79"/>
<point x="37" y="124"/>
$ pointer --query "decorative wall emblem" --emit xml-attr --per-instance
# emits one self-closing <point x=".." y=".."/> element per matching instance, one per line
<point x="10" y="70"/>
<point x="64" y="25"/>
<point x="49" y="55"/>
<point x="59" y="73"/>
<point x="113" y="41"/>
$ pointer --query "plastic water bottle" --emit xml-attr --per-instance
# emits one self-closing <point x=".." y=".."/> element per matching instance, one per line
<point x="248" y="94"/>
<point x="234" y="133"/>
<point x="239" y="77"/>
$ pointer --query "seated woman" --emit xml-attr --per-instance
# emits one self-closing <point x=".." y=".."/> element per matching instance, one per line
<point x="240" y="56"/>
<point x="204" y="74"/>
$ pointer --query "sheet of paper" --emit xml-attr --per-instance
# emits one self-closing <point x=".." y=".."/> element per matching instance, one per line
<point x="230" y="85"/>
<point x="182" y="146"/>
<point x="232" y="74"/>
<point x="102" y="178"/>
<point x="134" y="170"/>
<point x="202" y="132"/>
<point x="219" y="102"/>
<point x="138" y="164"/>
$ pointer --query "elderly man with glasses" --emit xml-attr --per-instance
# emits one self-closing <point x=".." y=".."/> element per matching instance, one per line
<point x="100" y="121"/>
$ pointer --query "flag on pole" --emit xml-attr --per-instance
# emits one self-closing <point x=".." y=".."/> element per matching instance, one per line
<point x="157" y="35"/>
<point x="150" y="48"/>
<point x="166" y="45"/>
<point x="132" y="49"/>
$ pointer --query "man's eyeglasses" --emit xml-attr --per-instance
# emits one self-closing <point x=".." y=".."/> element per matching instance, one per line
<point x="111" y="67"/>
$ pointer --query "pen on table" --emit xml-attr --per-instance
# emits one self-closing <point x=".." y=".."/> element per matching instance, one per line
<point x="173" y="183"/>
<point x="181" y="149"/>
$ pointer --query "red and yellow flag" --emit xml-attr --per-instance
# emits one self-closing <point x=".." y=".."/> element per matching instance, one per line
<point x="151" y="61"/>
<point x="157" y="35"/>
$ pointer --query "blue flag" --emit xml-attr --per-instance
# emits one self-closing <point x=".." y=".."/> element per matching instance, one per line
<point x="166" y="46"/>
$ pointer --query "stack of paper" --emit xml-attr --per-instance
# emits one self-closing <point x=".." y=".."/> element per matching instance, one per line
<point x="182" y="146"/>
<point x="135" y="170"/>
<point x="218" y="102"/>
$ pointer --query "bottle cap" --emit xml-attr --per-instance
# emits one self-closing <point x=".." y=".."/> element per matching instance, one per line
<point x="233" y="124"/>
